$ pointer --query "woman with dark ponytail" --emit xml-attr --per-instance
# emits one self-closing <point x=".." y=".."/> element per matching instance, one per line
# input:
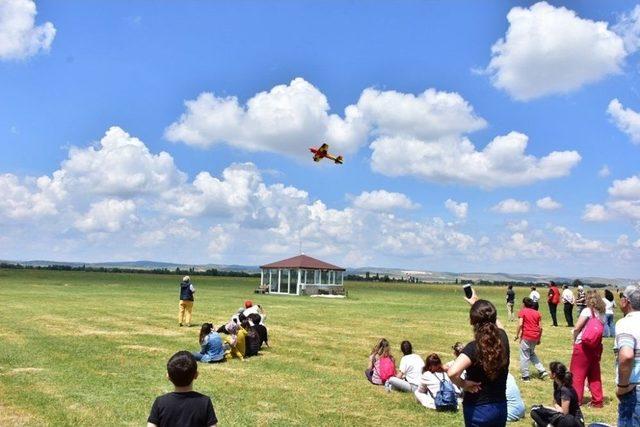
<point x="486" y="361"/>
<point x="566" y="411"/>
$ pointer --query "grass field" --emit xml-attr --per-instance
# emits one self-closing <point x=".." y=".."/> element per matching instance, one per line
<point x="90" y="349"/>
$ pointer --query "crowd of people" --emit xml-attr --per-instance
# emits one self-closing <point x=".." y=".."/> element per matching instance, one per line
<point x="479" y="379"/>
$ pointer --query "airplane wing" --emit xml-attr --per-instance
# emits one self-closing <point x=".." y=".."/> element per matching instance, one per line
<point x="323" y="148"/>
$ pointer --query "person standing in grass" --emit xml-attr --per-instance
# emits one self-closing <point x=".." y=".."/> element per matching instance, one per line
<point x="529" y="333"/>
<point x="212" y="350"/>
<point x="568" y="300"/>
<point x="581" y="298"/>
<point x="186" y="301"/>
<point x="553" y="299"/>
<point x="511" y="299"/>
<point x="182" y="407"/>
<point x="486" y="361"/>
<point x="609" y="306"/>
<point x="566" y="411"/>
<point x="627" y="350"/>
<point x="408" y="376"/>
<point x="382" y="365"/>
<point x="535" y="297"/>
<point x="587" y="349"/>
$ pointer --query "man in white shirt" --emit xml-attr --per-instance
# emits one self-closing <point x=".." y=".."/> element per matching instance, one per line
<point x="410" y="372"/>
<point x="627" y="350"/>
<point x="568" y="300"/>
<point x="535" y="296"/>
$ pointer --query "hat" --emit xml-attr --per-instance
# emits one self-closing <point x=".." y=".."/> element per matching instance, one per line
<point x="630" y="290"/>
<point x="186" y="279"/>
<point x="248" y="304"/>
<point x="580" y="287"/>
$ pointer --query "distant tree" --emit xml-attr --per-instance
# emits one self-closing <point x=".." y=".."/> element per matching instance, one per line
<point x="577" y="283"/>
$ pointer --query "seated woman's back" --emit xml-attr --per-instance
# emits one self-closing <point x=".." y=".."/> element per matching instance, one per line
<point x="213" y="348"/>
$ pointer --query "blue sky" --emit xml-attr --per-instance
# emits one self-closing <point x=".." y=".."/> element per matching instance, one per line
<point x="78" y="69"/>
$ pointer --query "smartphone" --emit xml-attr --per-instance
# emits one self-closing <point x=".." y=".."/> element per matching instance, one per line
<point x="468" y="292"/>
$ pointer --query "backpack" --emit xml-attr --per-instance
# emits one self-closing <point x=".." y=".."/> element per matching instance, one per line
<point x="592" y="332"/>
<point x="386" y="368"/>
<point x="446" y="399"/>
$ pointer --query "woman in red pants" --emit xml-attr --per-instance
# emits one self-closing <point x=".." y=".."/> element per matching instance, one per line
<point x="587" y="349"/>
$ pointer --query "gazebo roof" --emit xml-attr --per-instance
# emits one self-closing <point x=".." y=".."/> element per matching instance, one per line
<point x="303" y="261"/>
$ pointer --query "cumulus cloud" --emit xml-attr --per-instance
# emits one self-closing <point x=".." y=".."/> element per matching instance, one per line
<point x="511" y="206"/>
<point x="518" y="226"/>
<point x="595" y="213"/>
<point x="604" y="171"/>
<point x="626" y="188"/>
<point x="20" y="37"/>
<point x="547" y="203"/>
<point x="519" y="244"/>
<point x="383" y="201"/>
<point x="543" y="52"/>
<point x="108" y="215"/>
<point x="27" y="200"/>
<point x="286" y="120"/>
<point x="628" y="27"/>
<point x="459" y="210"/>
<point x="627" y="120"/>
<point x="576" y="242"/>
<point x="420" y="135"/>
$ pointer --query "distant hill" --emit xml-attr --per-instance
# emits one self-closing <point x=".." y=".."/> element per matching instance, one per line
<point x="423" y="275"/>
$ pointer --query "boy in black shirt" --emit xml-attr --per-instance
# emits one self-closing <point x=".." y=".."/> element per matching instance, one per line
<point x="183" y="407"/>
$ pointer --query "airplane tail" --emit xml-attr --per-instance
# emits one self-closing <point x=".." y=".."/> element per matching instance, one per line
<point x="339" y="160"/>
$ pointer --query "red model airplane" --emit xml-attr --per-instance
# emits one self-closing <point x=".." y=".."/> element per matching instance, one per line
<point x="321" y="153"/>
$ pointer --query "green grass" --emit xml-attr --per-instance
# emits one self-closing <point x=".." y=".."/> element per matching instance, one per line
<point x="90" y="349"/>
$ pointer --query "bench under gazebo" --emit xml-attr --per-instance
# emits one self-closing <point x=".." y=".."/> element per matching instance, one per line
<point x="302" y="274"/>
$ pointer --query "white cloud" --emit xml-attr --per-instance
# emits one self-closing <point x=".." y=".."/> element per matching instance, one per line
<point x="547" y="203"/>
<point x="627" y="120"/>
<point x="595" y="213"/>
<point x="543" y="52"/>
<point x="459" y="210"/>
<point x="501" y="163"/>
<point x="383" y="201"/>
<point x="285" y="120"/>
<point x="20" y="38"/>
<point x="576" y="242"/>
<point x="520" y="245"/>
<point x="626" y="188"/>
<point x="604" y="171"/>
<point x="108" y="215"/>
<point x="518" y="226"/>
<point x="628" y="27"/>
<point x="26" y="200"/>
<point x="511" y="206"/>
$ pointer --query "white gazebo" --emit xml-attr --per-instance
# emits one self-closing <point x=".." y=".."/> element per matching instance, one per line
<point x="301" y="274"/>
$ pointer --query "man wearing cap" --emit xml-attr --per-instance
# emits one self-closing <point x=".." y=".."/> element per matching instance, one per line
<point x="553" y="299"/>
<point x="186" y="301"/>
<point x="581" y="300"/>
<point x="627" y="350"/>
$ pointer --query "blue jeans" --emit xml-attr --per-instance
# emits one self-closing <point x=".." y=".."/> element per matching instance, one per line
<point x="487" y="415"/>
<point x="610" y="326"/>
<point x="629" y="409"/>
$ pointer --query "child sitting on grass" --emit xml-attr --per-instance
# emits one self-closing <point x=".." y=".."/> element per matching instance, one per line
<point x="182" y="407"/>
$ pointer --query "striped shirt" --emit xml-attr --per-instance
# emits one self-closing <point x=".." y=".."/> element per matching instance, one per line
<point x="628" y="335"/>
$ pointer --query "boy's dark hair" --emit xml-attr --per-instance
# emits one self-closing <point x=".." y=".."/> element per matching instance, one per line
<point x="255" y="318"/>
<point x="406" y="348"/>
<point x="533" y="288"/>
<point x="510" y="287"/>
<point x="528" y="302"/>
<point x="182" y="368"/>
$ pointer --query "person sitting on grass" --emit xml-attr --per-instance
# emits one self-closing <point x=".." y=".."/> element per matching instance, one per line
<point x="432" y="380"/>
<point x="252" y="339"/>
<point x="408" y="376"/>
<point x="230" y="342"/>
<point x="251" y="308"/>
<point x="182" y="407"/>
<point x="256" y="319"/>
<point x="566" y="411"/>
<point x="457" y="350"/>
<point x="382" y="365"/>
<point x="211" y="343"/>
<point x="515" y="405"/>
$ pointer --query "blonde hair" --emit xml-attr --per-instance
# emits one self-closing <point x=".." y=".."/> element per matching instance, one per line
<point x="382" y="349"/>
<point x="594" y="301"/>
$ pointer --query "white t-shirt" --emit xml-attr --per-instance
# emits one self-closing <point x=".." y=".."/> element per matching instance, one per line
<point x="586" y="312"/>
<point x="430" y="382"/>
<point x="609" y="306"/>
<point x="535" y="296"/>
<point x="628" y="335"/>
<point x="567" y="296"/>
<point x="411" y="366"/>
